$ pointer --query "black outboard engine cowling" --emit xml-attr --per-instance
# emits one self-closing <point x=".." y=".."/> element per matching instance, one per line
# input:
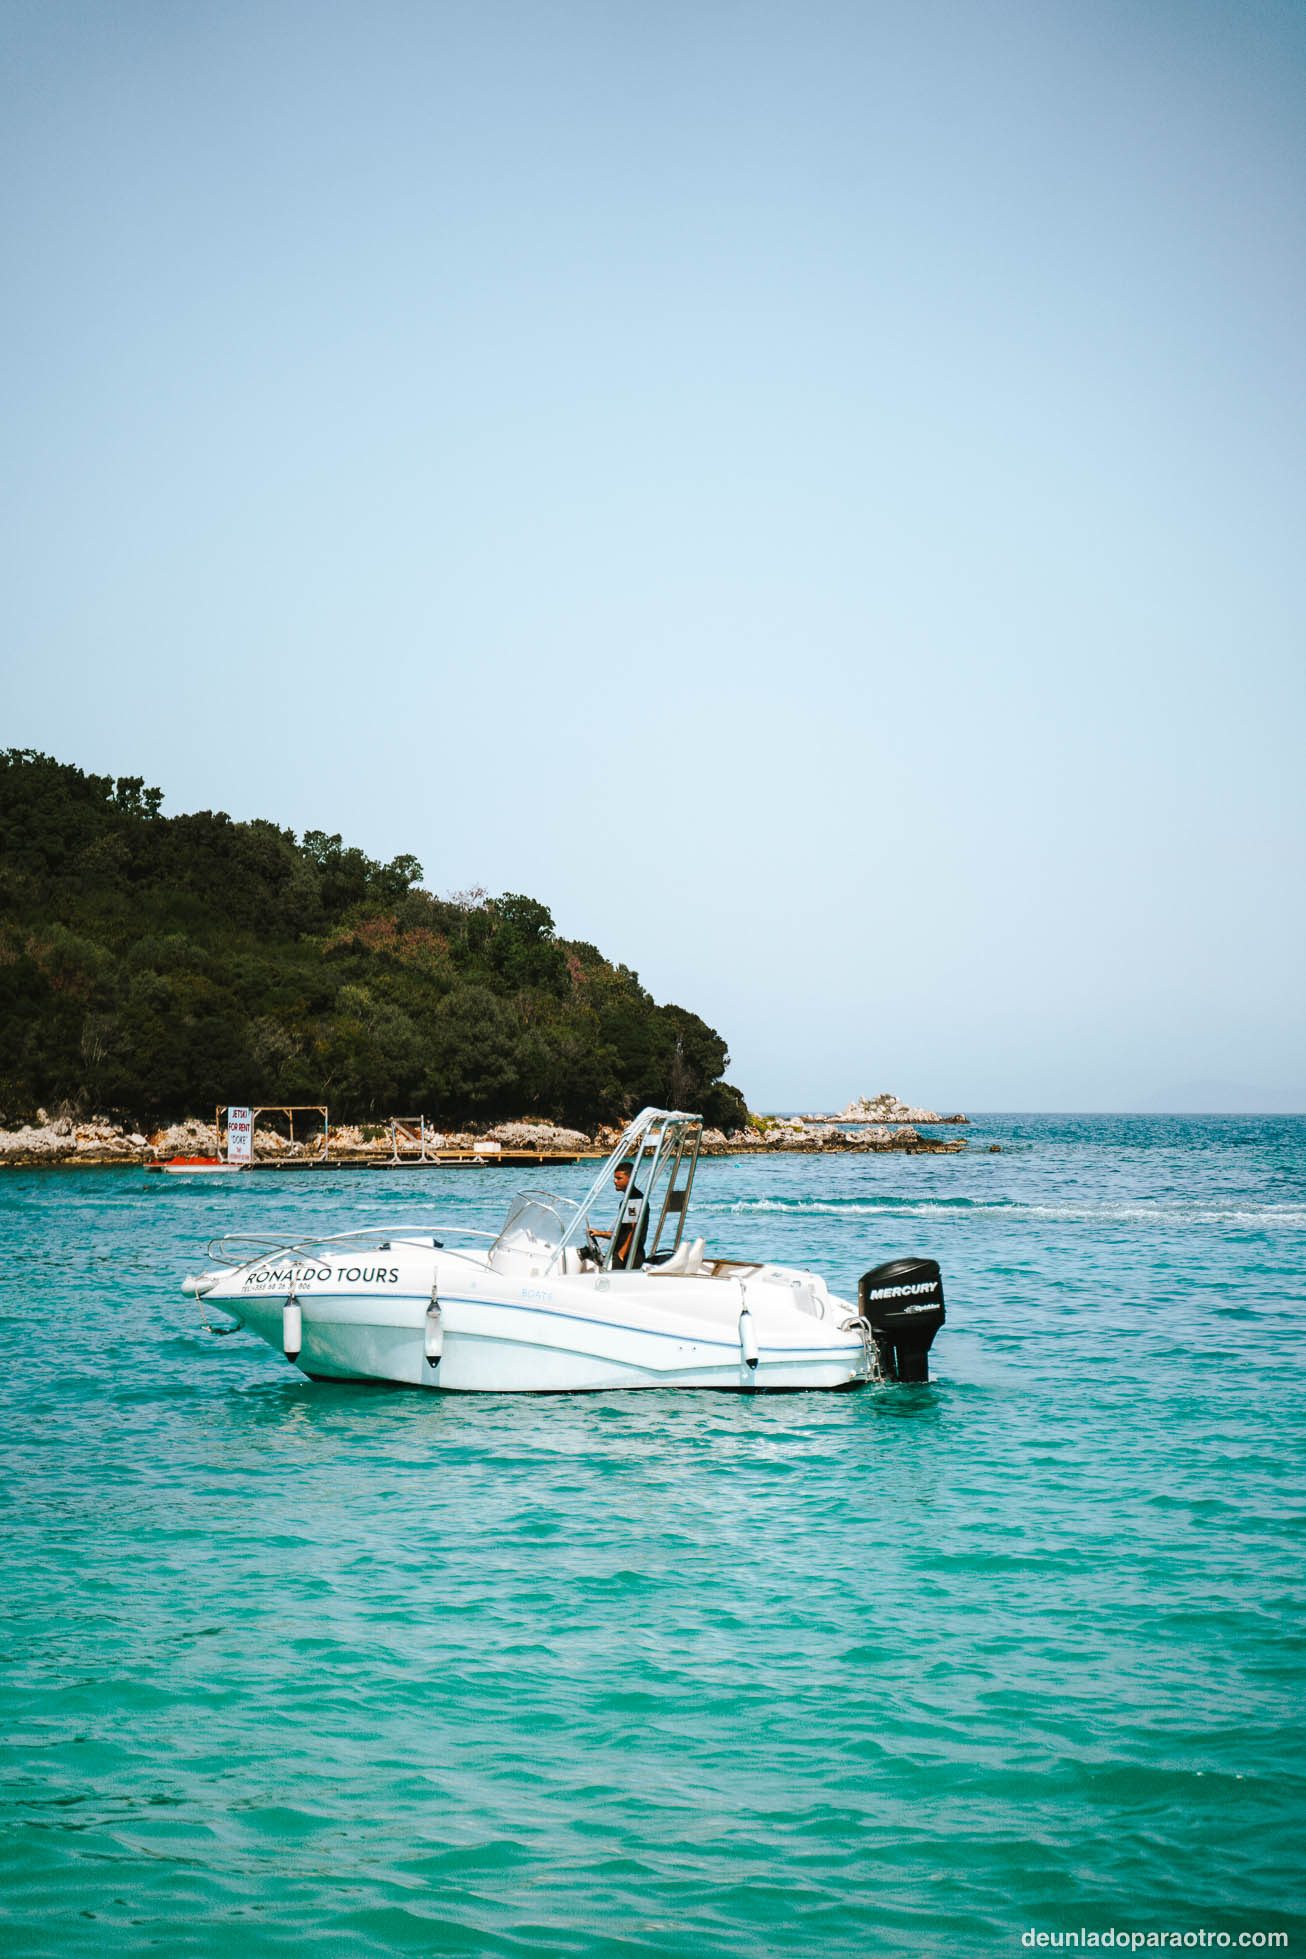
<point x="903" y="1301"/>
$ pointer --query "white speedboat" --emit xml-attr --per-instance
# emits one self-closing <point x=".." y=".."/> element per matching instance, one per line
<point x="606" y="1293"/>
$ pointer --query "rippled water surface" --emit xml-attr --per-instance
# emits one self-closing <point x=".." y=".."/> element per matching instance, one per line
<point x="368" y="1670"/>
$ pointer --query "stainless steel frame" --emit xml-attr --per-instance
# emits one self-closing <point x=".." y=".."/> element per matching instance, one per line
<point x="648" y="1140"/>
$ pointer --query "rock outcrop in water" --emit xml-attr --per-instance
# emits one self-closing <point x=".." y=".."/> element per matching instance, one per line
<point x="885" y="1107"/>
<point x="812" y="1134"/>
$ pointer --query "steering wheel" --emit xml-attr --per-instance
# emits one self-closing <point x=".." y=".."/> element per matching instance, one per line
<point x="592" y="1245"/>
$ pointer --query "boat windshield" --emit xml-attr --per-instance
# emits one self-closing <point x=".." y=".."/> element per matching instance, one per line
<point x="537" y="1223"/>
<point x="657" y="1154"/>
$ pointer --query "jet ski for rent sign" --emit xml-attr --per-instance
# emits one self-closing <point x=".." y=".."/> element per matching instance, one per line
<point x="240" y="1135"/>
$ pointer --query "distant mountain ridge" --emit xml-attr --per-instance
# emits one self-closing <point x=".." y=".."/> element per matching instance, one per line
<point x="158" y="965"/>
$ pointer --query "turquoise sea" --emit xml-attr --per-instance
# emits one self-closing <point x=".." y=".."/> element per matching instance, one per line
<point x="363" y="1670"/>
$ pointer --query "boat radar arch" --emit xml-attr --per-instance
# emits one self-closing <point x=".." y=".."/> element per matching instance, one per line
<point x="661" y="1146"/>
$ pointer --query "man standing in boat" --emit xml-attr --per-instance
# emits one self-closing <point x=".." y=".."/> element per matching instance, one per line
<point x="623" y="1257"/>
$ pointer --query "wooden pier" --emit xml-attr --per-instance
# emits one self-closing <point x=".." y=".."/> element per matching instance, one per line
<point x="411" y="1146"/>
<point x="436" y="1160"/>
<point x="433" y="1160"/>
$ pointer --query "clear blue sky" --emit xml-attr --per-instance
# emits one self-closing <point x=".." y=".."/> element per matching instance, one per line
<point x="813" y="493"/>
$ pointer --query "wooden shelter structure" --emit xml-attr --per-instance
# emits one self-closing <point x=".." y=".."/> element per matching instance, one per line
<point x="288" y="1109"/>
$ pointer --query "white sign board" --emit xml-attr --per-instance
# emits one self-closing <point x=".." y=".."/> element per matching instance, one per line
<point x="240" y="1135"/>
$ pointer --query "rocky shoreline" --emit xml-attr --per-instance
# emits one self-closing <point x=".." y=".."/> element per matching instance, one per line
<point x="867" y="1126"/>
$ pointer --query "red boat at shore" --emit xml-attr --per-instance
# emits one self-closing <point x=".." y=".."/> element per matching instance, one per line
<point x="197" y="1166"/>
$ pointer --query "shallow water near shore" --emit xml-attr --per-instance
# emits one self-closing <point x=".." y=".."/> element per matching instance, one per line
<point x="367" y="1670"/>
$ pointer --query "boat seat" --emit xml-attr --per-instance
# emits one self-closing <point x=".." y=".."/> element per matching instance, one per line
<point x="686" y="1260"/>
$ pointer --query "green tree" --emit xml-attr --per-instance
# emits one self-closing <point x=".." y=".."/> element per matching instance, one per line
<point x="474" y="1064"/>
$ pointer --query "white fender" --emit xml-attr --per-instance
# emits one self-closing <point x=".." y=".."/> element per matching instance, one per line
<point x="433" y="1342"/>
<point x="747" y="1339"/>
<point x="292" y="1329"/>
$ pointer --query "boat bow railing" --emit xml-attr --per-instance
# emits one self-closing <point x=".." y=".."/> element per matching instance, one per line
<point x="236" y="1249"/>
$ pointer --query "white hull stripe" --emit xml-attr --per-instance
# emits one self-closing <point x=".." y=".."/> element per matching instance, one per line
<point x="308" y="1300"/>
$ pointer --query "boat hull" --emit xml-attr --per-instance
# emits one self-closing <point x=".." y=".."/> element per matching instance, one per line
<point x="505" y="1347"/>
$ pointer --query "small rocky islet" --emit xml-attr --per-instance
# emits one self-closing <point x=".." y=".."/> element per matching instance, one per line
<point x="868" y="1124"/>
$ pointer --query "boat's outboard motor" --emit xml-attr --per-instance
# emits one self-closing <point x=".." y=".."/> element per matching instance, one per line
<point x="903" y="1301"/>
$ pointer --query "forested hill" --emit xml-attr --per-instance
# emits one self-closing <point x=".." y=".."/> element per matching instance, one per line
<point x="156" y="965"/>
